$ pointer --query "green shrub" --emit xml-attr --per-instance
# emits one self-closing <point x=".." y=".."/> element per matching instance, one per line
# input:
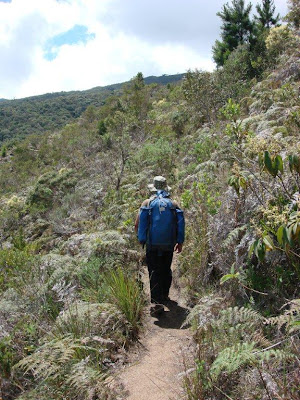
<point x="91" y="276"/>
<point x="186" y="199"/>
<point x="233" y="79"/>
<point x="160" y="155"/>
<point x="205" y="146"/>
<point x="101" y="128"/>
<point x="7" y="356"/>
<point x="15" y="265"/>
<point x="279" y="38"/>
<point x="179" y="121"/>
<point x="50" y="186"/>
<point x="233" y="341"/>
<point x="125" y="292"/>
<point x="66" y="367"/>
<point x="41" y="195"/>
<point x="85" y="320"/>
<point x="3" y="151"/>
<point x="202" y="94"/>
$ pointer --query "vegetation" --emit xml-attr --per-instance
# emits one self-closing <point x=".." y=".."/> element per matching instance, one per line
<point x="39" y="114"/>
<point x="248" y="36"/>
<point x="236" y="358"/>
<point x="247" y="329"/>
<point x="236" y="29"/>
<point x="266" y="14"/>
<point x="71" y="299"/>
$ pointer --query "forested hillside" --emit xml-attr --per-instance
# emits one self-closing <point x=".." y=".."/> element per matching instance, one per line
<point x="228" y="142"/>
<point x="51" y="111"/>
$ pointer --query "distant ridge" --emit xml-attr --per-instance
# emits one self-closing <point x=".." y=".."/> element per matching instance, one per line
<point x="162" y="80"/>
<point x="50" y="111"/>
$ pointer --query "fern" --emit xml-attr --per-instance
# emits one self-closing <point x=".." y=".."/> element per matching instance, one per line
<point x="83" y="378"/>
<point x="232" y="358"/>
<point x="276" y="355"/>
<point x="231" y="340"/>
<point x="41" y="392"/>
<point x="233" y="236"/>
<point x="234" y="315"/>
<point x="85" y="319"/>
<point x="52" y="359"/>
<point x="259" y="338"/>
<point x="204" y="313"/>
<point x="82" y="382"/>
<point x="279" y="320"/>
<point x="111" y="238"/>
<point x="229" y="326"/>
<point x="290" y="318"/>
<point x="238" y="323"/>
<point x="67" y="366"/>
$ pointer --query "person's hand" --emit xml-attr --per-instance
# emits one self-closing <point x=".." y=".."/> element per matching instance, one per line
<point x="178" y="248"/>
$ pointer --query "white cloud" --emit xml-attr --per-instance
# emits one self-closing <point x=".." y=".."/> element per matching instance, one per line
<point x="154" y="37"/>
<point x="106" y="60"/>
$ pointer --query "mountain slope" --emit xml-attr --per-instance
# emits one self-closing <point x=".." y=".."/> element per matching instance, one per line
<point x="70" y="282"/>
<point x="38" y="114"/>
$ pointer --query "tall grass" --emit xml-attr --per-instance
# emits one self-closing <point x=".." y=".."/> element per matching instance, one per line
<point x="125" y="292"/>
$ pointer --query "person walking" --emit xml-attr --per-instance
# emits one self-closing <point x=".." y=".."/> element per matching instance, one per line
<point x="160" y="226"/>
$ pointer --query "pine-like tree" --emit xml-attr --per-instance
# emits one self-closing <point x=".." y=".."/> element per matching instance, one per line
<point x="136" y="96"/>
<point x="236" y="29"/>
<point x="265" y="19"/>
<point x="293" y="17"/>
<point x="266" y="14"/>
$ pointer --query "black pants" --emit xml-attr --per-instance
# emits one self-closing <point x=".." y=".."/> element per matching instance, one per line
<point x="160" y="274"/>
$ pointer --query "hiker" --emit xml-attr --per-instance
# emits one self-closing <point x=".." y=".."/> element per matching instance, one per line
<point x="160" y="225"/>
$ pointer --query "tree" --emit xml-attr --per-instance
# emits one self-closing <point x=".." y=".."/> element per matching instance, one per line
<point x="233" y="79"/>
<point x="266" y="14"/>
<point x="264" y="21"/>
<point x="136" y="97"/>
<point x="118" y="127"/>
<point x="293" y="16"/>
<point x="221" y="53"/>
<point x="236" y="29"/>
<point x="90" y="113"/>
<point x="202" y="96"/>
<point x="102" y="128"/>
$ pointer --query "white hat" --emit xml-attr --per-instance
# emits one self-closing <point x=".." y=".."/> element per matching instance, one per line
<point x="152" y="188"/>
<point x="159" y="183"/>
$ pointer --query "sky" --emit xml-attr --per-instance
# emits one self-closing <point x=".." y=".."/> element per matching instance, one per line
<point x="61" y="45"/>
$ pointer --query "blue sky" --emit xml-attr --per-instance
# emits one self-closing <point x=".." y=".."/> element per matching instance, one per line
<point x="61" y="45"/>
<point x="75" y="35"/>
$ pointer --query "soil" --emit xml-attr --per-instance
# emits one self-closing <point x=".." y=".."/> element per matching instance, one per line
<point x="155" y="367"/>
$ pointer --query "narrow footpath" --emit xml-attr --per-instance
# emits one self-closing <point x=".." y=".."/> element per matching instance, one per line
<point x="155" y="367"/>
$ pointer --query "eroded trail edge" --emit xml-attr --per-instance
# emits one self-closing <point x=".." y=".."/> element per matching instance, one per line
<point x="156" y="365"/>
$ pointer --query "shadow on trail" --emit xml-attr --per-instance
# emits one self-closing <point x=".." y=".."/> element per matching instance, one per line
<point x="173" y="318"/>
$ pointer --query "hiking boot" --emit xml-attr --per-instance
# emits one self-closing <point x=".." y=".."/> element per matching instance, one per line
<point x="166" y="300"/>
<point x="156" y="309"/>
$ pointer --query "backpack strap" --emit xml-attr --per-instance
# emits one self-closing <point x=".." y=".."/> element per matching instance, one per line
<point x="162" y="195"/>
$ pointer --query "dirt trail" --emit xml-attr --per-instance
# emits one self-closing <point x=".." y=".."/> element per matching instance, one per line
<point x="156" y="364"/>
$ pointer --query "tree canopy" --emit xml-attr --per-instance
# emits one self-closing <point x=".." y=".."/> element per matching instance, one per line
<point x="236" y="29"/>
<point x="266" y="14"/>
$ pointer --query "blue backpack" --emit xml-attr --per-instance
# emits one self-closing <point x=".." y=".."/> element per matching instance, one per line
<point x="161" y="224"/>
